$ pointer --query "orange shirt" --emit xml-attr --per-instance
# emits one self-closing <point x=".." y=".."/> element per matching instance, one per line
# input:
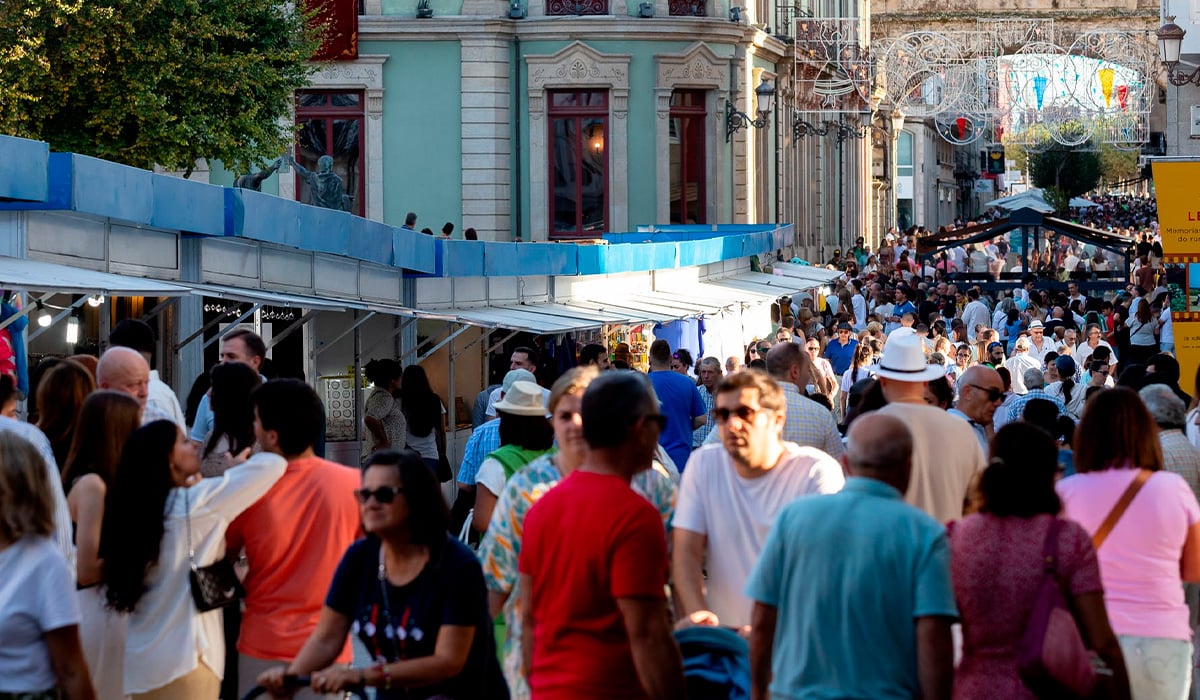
<point x="294" y="538"/>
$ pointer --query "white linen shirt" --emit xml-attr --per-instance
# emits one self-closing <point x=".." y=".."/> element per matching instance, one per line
<point x="162" y="403"/>
<point x="166" y="635"/>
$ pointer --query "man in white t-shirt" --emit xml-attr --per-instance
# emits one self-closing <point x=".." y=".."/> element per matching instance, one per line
<point x="730" y="496"/>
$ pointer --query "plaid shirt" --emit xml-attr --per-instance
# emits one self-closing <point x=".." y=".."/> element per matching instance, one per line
<point x="1181" y="457"/>
<point x="483" y="441"/>
<point x="699" y="435"/>
<point x="1017" y="408"/>
<point x="809" y="423"/>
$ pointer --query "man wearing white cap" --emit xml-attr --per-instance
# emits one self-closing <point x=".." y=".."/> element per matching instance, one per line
<point x="1038" y="344"/>
<point x="946" y="453"/>
<point x="1021" y="361"/>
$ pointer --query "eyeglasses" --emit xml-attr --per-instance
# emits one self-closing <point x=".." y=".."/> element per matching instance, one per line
<point x="993" y="393"/>
<point x="744" y="413"/>
<point x="658" y="419"/>
<point x="814" y="347"/>
<point x="383" y="494"/>
<point x="764" y="349"/>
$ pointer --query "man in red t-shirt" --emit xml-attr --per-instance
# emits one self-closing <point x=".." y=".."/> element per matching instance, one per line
<point x="594" y="563"/>
<point x="294" y="537"/>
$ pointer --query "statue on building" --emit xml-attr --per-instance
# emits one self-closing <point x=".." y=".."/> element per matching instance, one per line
<point x="324" y="185"/>
<point x="254" y="180"/>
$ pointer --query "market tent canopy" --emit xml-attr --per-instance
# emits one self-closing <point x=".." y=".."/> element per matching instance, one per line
<point x="37" y="275"/>
<point x="1029" y="199"/>
<point x="539" y="319"/>
<point x="809" y="276"/>
<point x="277" y="299"/>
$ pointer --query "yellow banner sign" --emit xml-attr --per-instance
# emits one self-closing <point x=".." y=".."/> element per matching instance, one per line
<point x="1178" y="194"/>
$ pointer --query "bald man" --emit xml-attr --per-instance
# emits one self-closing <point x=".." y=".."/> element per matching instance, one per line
<point x="980" y="391"/>
<point x="907" y="548"/>
<point x="124" y="370"/>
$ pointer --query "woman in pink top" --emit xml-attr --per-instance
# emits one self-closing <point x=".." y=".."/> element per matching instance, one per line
<point x="996" y="566"/>
<point x="1153" y="548"/>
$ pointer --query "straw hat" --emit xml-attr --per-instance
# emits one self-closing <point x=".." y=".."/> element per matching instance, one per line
<point x="904" y="361"/>
<point x="523" y="399"/>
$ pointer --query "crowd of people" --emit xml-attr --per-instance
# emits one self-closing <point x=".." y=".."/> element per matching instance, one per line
<point x="870" y="502"/>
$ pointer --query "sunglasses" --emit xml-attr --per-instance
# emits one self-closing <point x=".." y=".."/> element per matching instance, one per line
<point x="744" y="413"/>
<point x="763" y="349"/>
<point x="658" y="419"/>
<point x="383" y="494"/>
<point x="993" y="395"/>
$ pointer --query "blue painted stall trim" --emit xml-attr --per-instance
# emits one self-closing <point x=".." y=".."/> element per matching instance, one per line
<point x="24" y="171"/>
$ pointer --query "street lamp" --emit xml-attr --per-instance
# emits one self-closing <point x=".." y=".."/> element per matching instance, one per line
<point x="735" y="120"/>
<point x="1170" y="40"/>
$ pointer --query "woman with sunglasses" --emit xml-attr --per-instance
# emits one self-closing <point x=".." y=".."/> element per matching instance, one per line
<point x="412" y="594"/>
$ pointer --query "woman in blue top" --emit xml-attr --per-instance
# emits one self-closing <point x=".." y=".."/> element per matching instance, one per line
<point x="1012" y="329"/>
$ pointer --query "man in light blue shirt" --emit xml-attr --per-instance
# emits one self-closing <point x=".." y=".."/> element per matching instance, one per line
<point x="852" y="592"/>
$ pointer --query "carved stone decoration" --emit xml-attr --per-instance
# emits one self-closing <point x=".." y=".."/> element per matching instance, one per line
<point x="696" y="68"/>
<point x="578" y="65"/>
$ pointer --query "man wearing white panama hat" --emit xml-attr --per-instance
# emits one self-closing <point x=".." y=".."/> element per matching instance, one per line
<point x="946" y="453"/>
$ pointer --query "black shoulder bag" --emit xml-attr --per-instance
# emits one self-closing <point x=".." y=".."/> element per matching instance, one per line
<point x="216" y="585"/>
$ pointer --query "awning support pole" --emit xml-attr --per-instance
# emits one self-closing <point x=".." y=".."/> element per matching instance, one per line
<point x="326" y="345"/>
<point x="220" y="317"/>
<point x="58" y="317"/>
<point x="30" y="305"/>
<point x="159" y="309"/>
<point x="483" y="336"/>
<point x="501" y="343"/>
<point x="293" y="327"/>
<point x="233" y="324"/>
<point x="444" y="341"/>
<point x="358" y="395"/>
<point x="394" y="332"/>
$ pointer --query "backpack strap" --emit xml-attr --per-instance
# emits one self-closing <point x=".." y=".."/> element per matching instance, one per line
<point x="1118" y="510"/>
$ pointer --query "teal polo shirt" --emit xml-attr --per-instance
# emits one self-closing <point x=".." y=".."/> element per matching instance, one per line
<point x="849" y="574"/>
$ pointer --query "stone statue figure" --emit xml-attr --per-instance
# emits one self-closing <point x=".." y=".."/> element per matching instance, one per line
<point x="254" y="180"/>
<point x="324" y="185"/>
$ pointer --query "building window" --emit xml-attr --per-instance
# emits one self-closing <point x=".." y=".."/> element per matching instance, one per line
<point x="577" y="7"/>
<point x="687" y="8"/>
<point x="688" y="149"/>
<point x="578" y="162"/>
<point x="331" y="124"/>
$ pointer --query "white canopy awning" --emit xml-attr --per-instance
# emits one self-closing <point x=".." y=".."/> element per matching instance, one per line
<point x="541" y="319"/>
<point x="808" y="275"/>
<point x="269" y="298"/>
<point x="40" y="276"/>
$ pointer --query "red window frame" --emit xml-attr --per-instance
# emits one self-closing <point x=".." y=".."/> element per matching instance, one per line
<point x="329" y="113"/>
<point x="578" y="113"/>
<point x="697" y="110"/>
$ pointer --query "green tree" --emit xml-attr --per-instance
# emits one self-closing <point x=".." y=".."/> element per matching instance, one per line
<point x="1064" y="172"/>
<point x="147" y="82"/>
<point x="1116" y="164"/>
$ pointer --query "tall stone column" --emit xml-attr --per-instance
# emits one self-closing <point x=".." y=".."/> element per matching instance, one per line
<point x="857" y="176"/>
<point x="486" y="136"/>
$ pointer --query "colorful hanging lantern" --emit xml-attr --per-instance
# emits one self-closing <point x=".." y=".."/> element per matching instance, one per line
<point x="1122" y="96"/>
<point x="1106" y="84"/>
<point x="1039" y="89"/>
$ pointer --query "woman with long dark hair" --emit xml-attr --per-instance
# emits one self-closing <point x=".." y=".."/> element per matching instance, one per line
<point x="525" y="435"/>
<point x="60" y="395"/>
<point x="997" y="568"/>
<point x="233" y="416"/>
<point x="383" y="416"/>
<point x="106" y="421"/>
<point x="412" y="594"/>
<point x="1153" y="547"/>
<point x="1143" y="334"/>
<point x="425" y="414"/>
<point x="862" y="359"/>
<point x="160" y="519"/>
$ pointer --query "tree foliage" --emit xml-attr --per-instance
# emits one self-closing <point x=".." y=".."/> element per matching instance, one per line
<point x="147" y="82"/>
<point x="1065" y="171"/>
<point x="1117" y="164"/>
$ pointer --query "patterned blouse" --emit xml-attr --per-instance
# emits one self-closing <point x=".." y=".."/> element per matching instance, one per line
<point x="501" y="546"/>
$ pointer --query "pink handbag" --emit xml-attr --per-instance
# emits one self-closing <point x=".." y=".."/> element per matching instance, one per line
<point x="1052" y="660"/>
